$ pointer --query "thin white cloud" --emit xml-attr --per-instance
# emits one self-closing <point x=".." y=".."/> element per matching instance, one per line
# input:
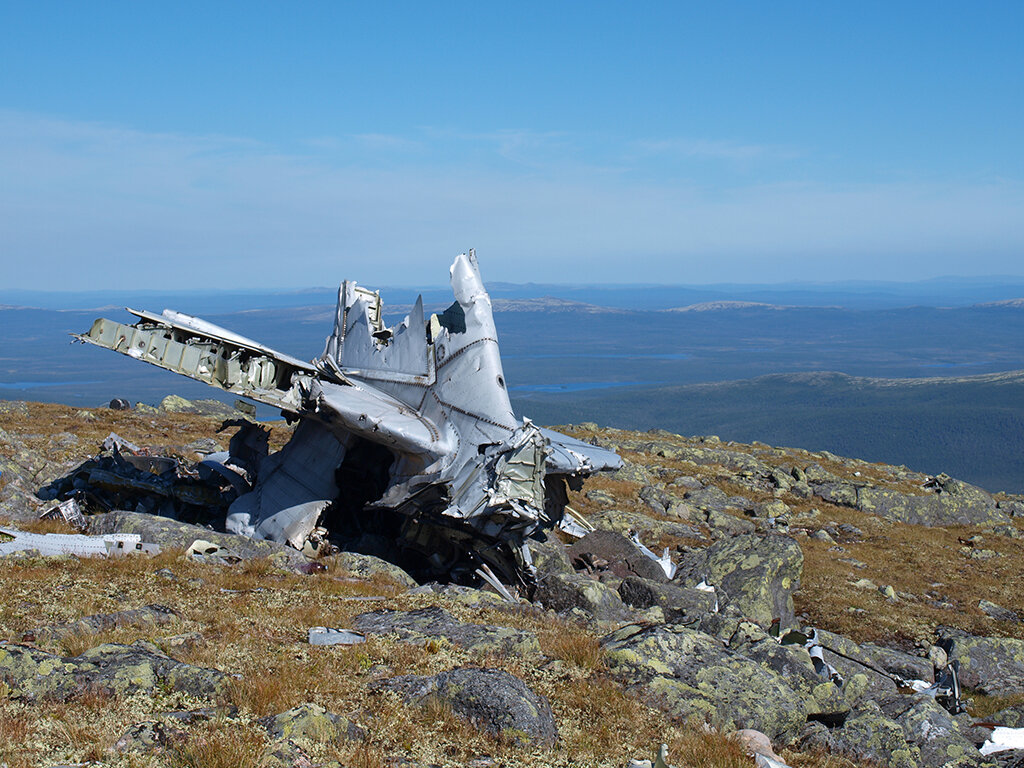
<point x="88" y="205"/>
<point x="712" y="149"/>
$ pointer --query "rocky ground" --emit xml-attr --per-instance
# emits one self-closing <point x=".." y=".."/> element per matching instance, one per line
<point x="175" y="660"/>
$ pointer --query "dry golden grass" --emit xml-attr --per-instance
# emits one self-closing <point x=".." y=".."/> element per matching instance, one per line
<point x="983" y="707"/>
<point x="261" y="637"/>
<point x="576" y="646"/>
<point x="219" y="744"/>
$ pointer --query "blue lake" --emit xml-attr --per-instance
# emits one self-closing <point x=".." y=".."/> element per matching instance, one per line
<point x="578" y="386"/>
<point x="603" y="356"/>
<point x="37" y="384"/>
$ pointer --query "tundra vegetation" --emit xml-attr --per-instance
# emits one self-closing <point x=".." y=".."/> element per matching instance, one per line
<point x="887" y="564"/>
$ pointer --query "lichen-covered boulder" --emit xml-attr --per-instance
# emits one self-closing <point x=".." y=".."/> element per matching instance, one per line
<point x="867" y="734"/>
<point x="563" y="592"/>
<point x="792" y="663"/>
<point x="759" y="574"/>
<point x="492" y="699"/>
<point x="1011" y="717"/>
<point x="366" y="566"/>
<point x="549" y="557"/>
<point x="311" y="722"/>
<point x="989" y="665"/>
<point x="686" y="672"/>
<point x="430" y="623"/>
<point x="932" y="731"/>
<point x="943" y="501"/>
<point x="117" y="669"/>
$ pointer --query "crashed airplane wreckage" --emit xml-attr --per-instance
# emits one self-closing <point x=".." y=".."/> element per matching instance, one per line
<point x="405" y="436"/>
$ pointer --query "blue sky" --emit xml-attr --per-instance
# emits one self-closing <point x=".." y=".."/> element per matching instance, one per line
<point x="272" y="144"/>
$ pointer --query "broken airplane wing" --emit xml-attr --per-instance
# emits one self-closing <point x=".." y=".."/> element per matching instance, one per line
<point x="406" y="434"/>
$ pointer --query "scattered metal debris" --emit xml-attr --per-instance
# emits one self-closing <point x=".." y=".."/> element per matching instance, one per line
<point x="660" y="760"/>
<point x="330" y="636"/>
<point x="208" y="552"/>
<point x="51" y="544"/>
<point x="665" y="561"/>
<point x="405" y="437"/>
<point x="70" y="511"/>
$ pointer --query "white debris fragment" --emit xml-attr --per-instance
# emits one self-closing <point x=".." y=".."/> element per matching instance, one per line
<point x="114" y="440"/>
<point x="331" y="636"/>
<point x="70" y="512"/>
<point x="1002" y="739"/>
<point x="206" y="551"/>
<point x="665" y="561"/>
<point x="52" y="544"/>
<point x="660" y="760"/>
<point x="705" y="587"/>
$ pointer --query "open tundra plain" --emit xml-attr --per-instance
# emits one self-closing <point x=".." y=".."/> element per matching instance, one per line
<point x="206" y="660"/>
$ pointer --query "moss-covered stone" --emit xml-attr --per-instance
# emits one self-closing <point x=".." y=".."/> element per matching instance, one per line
<point x="564" y="592"/>
<point x="679" y="603"/>
<point x="931" y="729"/>
<point x="367" y="566"/>
<point x="792" y="663"/>
<point x="311" y="722"/>
<point x="687" y="672"/>
<point x="116" y="669"/>
<point x="759" y="574"/>
<point x="867" y="734"/>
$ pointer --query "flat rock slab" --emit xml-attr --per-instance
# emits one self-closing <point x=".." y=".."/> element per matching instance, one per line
<point x="492" y="699"/>
<point x="945" y="502"/>
<point x="118" y="669"/>
<point x="686" y="673"/>
<point x="425" y="623"/>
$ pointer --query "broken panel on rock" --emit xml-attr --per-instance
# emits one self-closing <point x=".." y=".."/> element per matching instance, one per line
<point x="407" y="446"/>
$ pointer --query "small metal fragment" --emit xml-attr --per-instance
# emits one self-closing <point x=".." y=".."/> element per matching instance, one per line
<point x="331" y="636"/>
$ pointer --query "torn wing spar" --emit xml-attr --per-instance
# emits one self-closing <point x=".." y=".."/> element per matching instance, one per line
<point x="471" y="481"/>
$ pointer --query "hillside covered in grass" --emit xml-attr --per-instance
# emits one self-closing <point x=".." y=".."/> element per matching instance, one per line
<point x="208" y="661"/>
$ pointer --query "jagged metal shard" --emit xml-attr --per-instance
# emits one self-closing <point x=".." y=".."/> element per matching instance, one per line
<point x="406" y="437"/>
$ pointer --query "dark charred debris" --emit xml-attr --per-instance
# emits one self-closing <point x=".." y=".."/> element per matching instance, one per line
<point x="405" y="445"/>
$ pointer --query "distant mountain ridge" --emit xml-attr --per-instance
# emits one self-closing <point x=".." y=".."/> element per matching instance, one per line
<point x="718" y="306"/>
